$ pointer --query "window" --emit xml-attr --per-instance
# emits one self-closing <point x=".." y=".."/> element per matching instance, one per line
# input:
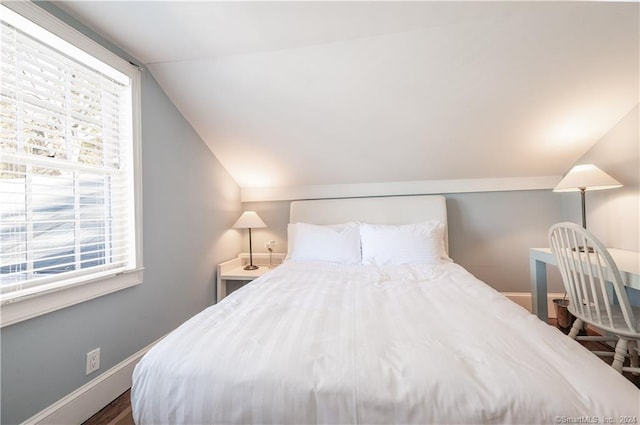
<point x="69" y="209"/>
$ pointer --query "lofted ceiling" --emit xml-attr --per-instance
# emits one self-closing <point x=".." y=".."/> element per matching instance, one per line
<point x="323" y="93"/>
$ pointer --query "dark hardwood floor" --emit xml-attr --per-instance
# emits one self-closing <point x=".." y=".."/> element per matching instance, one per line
<point x="118" y="412"/>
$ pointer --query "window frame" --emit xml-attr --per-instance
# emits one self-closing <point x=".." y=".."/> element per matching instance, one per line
<point x="84" y="288"/>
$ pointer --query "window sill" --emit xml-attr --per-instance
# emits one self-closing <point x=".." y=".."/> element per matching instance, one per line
<point x="28" y="308"/>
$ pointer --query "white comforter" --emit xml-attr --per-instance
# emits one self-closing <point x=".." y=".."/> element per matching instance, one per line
<point x="315" y="343"/>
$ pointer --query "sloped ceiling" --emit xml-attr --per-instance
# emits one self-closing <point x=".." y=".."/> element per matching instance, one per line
<point x="321" y="93"/>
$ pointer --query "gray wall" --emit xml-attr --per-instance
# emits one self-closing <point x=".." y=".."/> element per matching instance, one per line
<point x="189" y="203"/>
<point x="489" y="233"/>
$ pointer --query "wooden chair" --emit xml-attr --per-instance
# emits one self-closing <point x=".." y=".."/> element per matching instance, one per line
<point x="596" y="291"/>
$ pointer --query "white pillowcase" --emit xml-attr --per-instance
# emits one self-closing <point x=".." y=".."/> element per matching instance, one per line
<point x="419" y="243"/>
<point x="291" y="233"/>
<point x="333" y="243"/>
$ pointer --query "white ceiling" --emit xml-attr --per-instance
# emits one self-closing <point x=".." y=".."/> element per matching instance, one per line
<point x="317" y="93"/>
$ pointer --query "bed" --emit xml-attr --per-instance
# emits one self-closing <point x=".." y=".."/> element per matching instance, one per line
<point x="377" y="341"/>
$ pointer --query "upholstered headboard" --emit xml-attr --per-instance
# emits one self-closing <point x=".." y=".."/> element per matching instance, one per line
<point x="379" y="210"/>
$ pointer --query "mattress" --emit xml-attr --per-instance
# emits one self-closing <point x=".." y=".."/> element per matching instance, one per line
<point x="322" y="343"/>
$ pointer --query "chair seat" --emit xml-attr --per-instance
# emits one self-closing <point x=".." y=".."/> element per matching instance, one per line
<point x="619" y="324"/>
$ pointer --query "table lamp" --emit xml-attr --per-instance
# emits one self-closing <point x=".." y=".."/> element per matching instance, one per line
<point x="583" y="178"/>
<point x="249" y="220"/>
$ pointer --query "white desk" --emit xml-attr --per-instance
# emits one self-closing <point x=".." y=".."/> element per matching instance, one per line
<point x="628" y="263"/>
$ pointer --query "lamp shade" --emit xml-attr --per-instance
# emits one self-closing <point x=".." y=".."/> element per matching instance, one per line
<point x="249" y="220"/>
<point x="586" y="177"/>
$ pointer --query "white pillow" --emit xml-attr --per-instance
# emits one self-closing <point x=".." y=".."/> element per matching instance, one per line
<point x="419" y="243"/>
<point x="333" y="243"/>
<point x="291" y="233"/>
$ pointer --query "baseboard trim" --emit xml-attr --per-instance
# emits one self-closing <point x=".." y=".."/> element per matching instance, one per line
<point x="524" y="299"/>
<point x="87" y="400"/>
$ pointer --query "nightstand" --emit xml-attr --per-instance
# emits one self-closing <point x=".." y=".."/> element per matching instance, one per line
<point x="233" y="270"/>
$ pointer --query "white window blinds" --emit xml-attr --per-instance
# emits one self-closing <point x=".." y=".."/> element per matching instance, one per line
<point x="66" y="164"/>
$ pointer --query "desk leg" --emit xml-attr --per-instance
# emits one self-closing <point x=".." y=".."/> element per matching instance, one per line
<point x="538" y="271"/>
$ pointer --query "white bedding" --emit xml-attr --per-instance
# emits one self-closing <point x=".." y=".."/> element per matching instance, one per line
<point x="318" y="343"/>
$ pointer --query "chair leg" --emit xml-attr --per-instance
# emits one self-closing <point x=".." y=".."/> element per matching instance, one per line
<point x="577" y="325"/>
<point x="620" y="354"/>
<point x="633" y="352"/>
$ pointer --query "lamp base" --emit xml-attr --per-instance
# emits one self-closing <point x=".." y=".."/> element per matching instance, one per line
<point x="251" y="267"/>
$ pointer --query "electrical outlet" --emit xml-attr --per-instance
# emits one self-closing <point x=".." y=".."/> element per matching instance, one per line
<point x="93" y="360"/>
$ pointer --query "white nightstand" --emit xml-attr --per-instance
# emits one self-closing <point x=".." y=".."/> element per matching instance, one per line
<point x="233" y="270"/>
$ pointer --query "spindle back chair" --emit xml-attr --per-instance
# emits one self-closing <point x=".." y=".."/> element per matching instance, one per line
<point x="595" y="288"/>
